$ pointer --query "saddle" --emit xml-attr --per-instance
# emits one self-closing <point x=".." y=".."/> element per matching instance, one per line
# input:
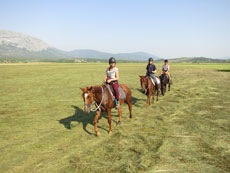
<point x="122" y="94"/>
<point x="153" y="81"/>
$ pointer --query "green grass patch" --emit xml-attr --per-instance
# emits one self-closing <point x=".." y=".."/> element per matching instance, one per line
<point x="44" y="129"/>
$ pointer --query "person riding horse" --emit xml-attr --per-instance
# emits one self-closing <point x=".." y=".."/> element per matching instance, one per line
<point x="111" y="78"/>
<point x="165" y="69"/>
<point x="102" y="97"/>
<point x="151" y="71"/>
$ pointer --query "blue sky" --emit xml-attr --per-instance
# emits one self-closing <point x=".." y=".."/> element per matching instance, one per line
<point x="166" y="28"/>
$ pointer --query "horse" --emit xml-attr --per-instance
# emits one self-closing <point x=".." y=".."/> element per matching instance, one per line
<point x="164" y="82"/>
<point x="102" y="98"/>
<point x="148" y="88"/>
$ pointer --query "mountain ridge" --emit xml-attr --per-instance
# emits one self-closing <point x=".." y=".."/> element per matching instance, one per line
<point x="17" y="45"/>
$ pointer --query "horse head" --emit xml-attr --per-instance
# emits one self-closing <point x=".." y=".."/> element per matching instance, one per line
<point x="88" y="97"/>
<point x="143" y="84"/>
<point x="164" y="80"/>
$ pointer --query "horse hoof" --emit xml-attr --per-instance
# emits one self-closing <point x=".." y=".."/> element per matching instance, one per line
<point x="110" y="132"/>
<point x="119" y="123"/>
<point x="97" y="133"/>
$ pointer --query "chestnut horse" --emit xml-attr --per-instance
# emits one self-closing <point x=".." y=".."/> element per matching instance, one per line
<point x="101" y="97"/>
<point x="164" y="82"/>
<point x="148" y="88"/>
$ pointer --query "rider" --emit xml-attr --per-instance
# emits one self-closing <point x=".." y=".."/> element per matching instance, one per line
<point x="165" y="69"/>
<point x="112" y="77"/>
<point x="151" y="71"/>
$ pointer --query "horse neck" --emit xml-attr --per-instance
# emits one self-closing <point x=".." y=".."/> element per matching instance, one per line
<point x="98" y="92"/>
<point x="164" y="79"/>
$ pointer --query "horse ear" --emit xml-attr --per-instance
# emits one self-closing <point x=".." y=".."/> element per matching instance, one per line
<point x="83" y="89"/>
<point x="90" y="88"/>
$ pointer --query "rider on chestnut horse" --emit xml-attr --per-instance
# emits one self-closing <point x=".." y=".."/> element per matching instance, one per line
<point x="151" y="71"/>
<point x="111" y="77"/>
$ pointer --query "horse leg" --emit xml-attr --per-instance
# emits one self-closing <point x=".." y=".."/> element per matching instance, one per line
<point x="153" y="95"/>
<point x="162" y="92"/>
<point x="120" y="116"/>
<point x="130" y="109"/>
<point x="148" y="100"/>
<point x="109" y="120"/>
<point x="157" y="93"/>
<point x="169" y="87"/>
<point x="95" y="122"/>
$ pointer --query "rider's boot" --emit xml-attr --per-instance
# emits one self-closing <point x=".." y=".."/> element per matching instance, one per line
<point x="117" y="104"/>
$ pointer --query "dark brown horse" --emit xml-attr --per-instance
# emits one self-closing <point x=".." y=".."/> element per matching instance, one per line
<point x="148" y="88"/>
<point x="164" y="82"/>
<point x="101" y="97"/>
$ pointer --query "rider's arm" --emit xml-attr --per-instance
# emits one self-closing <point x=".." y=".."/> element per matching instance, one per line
<point x="105" y="78"/>
<point x="154" y="71"/>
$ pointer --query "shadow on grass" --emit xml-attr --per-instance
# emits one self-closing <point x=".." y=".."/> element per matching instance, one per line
<point x="224" y="70"/>
<point x="140" y="90"/>
<point x="81" y="117"/>
<point x="136" y="100"/>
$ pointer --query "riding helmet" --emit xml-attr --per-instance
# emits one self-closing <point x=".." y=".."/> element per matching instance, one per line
<point x="150" y="59"/>
<point x="112" y="60"/>
<point x="166" y="60"/>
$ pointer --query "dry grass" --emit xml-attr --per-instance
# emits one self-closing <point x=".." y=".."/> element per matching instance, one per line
<point x="43" y="127"/>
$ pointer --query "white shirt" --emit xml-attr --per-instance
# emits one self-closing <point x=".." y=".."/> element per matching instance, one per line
<point x="111" y="74"/>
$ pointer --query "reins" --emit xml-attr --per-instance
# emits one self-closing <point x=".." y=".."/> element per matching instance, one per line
<point x="97" y="106"/>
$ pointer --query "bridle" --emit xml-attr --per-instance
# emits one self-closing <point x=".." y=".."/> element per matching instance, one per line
<point x="145" y="89"/>
<point x="94" y="103"/>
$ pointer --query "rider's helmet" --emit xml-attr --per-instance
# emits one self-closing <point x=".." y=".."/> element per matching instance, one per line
<point x="112" y="60"/>
<point x="150" y="59"/>
<point x="166" y="60"/>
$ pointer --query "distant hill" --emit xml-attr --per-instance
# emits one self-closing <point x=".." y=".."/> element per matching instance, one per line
<point x="9" y="51"/>
<point x="225" y="58"/>
<point x="88" y="53"/>
<point x="197" y="60"/>
<point x="17" y="45"/>
<point x="18" y="40"/>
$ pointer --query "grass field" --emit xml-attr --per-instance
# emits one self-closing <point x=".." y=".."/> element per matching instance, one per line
<point x="44" y="129"/>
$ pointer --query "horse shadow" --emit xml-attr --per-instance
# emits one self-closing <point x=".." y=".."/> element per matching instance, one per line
<point x="224" y="70"/>
<point x="140" y="90"/>
<point x="135" y="101"/>
<point x="82" y="118"/>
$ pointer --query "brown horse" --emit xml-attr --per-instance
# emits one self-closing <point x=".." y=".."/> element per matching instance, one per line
<point x="148" y="88"/>
<point x="164" y="82"/>
<point x="101" y="97"/>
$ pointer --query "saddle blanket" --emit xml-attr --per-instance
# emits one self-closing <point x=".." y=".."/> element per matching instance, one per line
<point x="122" y="94"/>
<point x="158" y="81"/>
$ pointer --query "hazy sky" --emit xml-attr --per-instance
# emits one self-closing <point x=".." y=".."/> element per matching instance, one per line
<point x="166" y="28"/>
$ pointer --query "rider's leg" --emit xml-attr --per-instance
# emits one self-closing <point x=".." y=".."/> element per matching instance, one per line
<point x="156" y="80"/>
<point x="115" y="87"/>
<point x="170" y="78"/>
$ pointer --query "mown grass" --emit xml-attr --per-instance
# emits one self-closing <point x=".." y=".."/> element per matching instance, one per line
<point x="44" y="129"/>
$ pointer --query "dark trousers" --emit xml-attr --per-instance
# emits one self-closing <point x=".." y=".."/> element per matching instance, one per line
<point x="115" y="87"/>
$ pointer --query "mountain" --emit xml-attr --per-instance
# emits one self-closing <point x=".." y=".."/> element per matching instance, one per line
<point x="17" y="45"/>
<point x="225" y="58"/>
<point x="18" y="40"/>
<point x="197" y="60"/>
<point x="88" y="53"/>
